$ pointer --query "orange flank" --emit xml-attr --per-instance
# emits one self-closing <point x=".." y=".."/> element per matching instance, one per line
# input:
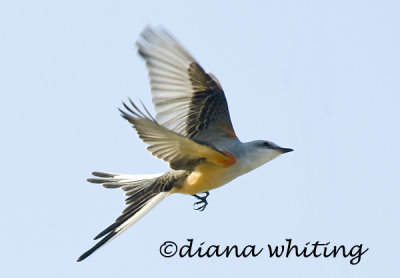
<point x="204" y="177"/>
<point x="224" y="159"/>
<point x="219" y="158"/>
<point x="229" y="160"/>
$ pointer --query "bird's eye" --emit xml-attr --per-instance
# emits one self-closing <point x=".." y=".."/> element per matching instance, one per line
<point x="266" y="145"/>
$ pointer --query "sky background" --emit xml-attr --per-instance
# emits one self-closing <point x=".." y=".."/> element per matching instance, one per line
<point x="321" y="77"/>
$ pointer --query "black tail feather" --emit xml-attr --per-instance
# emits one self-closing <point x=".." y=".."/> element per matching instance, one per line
<point x="139" y="193"/>
<point x="97" y="246"/>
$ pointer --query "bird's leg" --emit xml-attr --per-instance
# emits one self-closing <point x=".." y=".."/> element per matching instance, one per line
<point x="202" y="203"/>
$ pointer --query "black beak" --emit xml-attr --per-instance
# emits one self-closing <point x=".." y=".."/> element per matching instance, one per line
<point x="285" y="150"/>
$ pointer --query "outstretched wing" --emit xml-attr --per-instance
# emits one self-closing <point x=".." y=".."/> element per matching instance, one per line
<point x="187" y="100"/>
<point x="181" y="152"/>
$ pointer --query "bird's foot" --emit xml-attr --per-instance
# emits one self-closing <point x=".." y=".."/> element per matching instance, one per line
<point x="202" y="203"/>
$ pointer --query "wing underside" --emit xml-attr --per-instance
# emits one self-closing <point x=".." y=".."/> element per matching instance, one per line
<point x="187" y="100"/>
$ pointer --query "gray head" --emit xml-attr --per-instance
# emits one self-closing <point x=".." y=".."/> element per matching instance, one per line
<point x="260" y="152"/>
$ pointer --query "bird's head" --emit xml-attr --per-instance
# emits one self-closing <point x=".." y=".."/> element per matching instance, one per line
<point x="260" y="152"/>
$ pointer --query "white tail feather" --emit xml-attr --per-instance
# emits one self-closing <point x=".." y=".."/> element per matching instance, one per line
<point x="142" y="199"/>
<point x="149" y="205"/>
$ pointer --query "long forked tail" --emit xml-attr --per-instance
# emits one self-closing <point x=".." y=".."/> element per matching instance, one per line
<point x="143" y="191"/>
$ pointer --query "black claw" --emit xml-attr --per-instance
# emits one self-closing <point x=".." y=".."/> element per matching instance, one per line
<point x="202" y="200"/>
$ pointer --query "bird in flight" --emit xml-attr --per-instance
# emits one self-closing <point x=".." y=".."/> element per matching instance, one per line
<point x="191" y="130"/>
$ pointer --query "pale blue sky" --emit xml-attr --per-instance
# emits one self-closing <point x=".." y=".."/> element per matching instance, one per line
<point x="321" y="77"/>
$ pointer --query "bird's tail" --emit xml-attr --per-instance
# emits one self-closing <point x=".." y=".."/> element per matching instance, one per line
<point x="143" y="191"/>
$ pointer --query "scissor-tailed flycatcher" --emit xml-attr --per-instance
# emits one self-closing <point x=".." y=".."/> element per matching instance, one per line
<point x="192" y="131"/>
